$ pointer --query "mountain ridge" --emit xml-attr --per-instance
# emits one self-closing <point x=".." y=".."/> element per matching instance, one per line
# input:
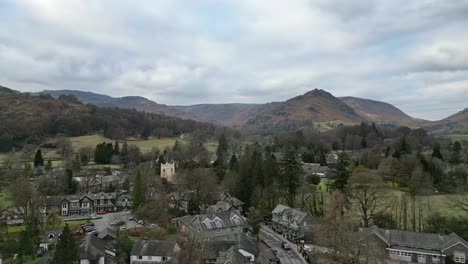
<point x="314" y="106"/>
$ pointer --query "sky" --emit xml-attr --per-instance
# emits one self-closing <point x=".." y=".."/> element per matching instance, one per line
<point x="413" y="54"/>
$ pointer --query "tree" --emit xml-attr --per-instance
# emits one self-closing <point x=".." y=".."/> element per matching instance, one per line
<point x="124" y="247"/>
<point x="71" y="184"/>
<point x="436" y="152"/>
<point x="38" y="159"/>
<point x="313" y="179"/>
<point x="341" y="173"/>
<point x="48" y="166"/>
<point x="234" y="163"/>
<point x="455" y="156"/>
<point x="290" y="170"/>
<point x="66" y="251"/>
<point x="367" y="192"/>
<point x="116" y="148"/>
<point x="138" y="192"/>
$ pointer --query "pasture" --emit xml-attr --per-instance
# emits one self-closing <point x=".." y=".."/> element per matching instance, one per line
<point x="458" y="137"/>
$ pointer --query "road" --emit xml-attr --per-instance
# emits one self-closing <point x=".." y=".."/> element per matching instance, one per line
<point x="273" y="240"/>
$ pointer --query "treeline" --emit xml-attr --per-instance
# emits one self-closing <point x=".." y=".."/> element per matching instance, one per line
<point x="29" y="119"/>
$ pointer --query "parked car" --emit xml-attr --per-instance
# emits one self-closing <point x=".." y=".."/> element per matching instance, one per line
<point x="151" y="226"/>
<point x="123" y="228"/>
<point x="118" y="223"/>
<point x="93" y="232"/>
<point x="94" y="217"/>
<point x="101" y="212"/>
<point x="89" y="229"/>
<point x="285" y="246"/>
<point x="83" y="226"/>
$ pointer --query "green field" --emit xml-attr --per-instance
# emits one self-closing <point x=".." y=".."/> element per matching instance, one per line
<point x="144" y="145"/>
<point x="458" y="137"/>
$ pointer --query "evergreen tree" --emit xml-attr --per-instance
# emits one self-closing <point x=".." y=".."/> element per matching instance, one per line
<point x="363" y="143"/>
<point x="116" y="148"/>
<point x="26" y="243"/>
<point x="271" y="169"/>
<point x="38" y="159"/>
<point x="234" y="163"/>
<point x="455" y="157"/>
<point x="290" y="170"/>
<point x="341" y="173"/>
<point x="161" y="160"/>
<point x="124" y="247"/>
<point x="84" y="159"/>
<point x="403" y="146"/>
<point x="71" y="185"/>
<point x="222" y="149"/>
<point x="436" y="152"/>
<point x="257" y="170"/>
<point x="124" y="153"/>
<point x="138" y="192"/>
<point x="66" y="251"/>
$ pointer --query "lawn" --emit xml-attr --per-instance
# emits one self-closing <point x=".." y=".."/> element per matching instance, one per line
<point x="71" y="224"/>
<point x="144" y="145"/>
<point x="458" y="137"/>
<point x="5" y="198"/>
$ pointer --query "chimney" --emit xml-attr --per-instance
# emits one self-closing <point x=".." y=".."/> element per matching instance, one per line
<point x="387" y="233"/>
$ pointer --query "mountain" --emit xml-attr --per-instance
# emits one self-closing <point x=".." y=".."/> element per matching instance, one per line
<point x="314" y="106"/>
<point x="454" y="124"/>
<point x="128" y="102"/>
<point x="27" y="119"/>
<point x="234" y="115"/>
<point x="381" y="112"/>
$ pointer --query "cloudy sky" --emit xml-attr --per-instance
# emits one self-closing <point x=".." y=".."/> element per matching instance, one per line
<point x="413" y="54"/>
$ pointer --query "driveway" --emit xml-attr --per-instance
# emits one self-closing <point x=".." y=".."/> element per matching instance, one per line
<point x="274" y="240"/>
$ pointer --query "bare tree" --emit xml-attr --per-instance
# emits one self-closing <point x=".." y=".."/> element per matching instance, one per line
<point x="368" y="194"/>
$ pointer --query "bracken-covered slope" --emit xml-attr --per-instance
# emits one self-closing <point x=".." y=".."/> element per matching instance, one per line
<point x="26" y="118"/>
<point x="128" y="102"/>
<point x="381" y="112"/>
<point x="454" y="124"/>
<point x="314" y="106"/>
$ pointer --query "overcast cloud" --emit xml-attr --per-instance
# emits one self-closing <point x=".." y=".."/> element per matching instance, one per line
<point x="413" y="54"/>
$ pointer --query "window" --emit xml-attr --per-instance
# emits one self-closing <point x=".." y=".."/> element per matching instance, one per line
<point x="85" y="204"/>
<point x="74" y="204"/>
<point x="64" y="212"/>
<point x="164" y="170"/>
<point x="421" y="256"/>
<point x="164" y="258"/>
<point x="459" y="257"/>
<point x="105" y="201"/>
<point x="64" y="205"/>
<point x="140" y="257"/>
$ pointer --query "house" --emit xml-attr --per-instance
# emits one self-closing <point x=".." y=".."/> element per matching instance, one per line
<point x="292" y="223"/>
<point x="180" y="200"/>
<point x="124" y="200"/>
<point x="398" y="246"/>
<point x="227" y="226"/>
<point x="153" y="251"/>
<point x="49" y="238"/>
<point x="315" y="168"/>
<point x="12" y="216"/>
<point x="108" y="234"/>
<point x="168" y="171"/>
<point x="242" y="251"/>
<point x="233" y="201"/>
<point x="97" y="251"/>
<point x="99" y="183"/>
<point x="69" y="205"/>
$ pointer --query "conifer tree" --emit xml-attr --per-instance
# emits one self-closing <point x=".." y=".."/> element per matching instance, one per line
<point x="341" y="173"/>
<point x="234" y="163"/>
<point x="38" y="159"/>
<point x="290" y="170"/>
<point x="138" y="192"/>
<point x="66" y="251"/>
<point x="436" y="152"/>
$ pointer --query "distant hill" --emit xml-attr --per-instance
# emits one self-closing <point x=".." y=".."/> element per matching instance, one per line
<point x="29" y="119"/>
<point x="454" y="124"/>
<point x="128" y="102"/>
<point x="225" y="114"/>
<point x="381" y="112"/>
<point x="314" y="106"/>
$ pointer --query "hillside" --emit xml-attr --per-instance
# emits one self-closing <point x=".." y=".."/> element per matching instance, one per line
<point x="128" y="102"/>
<point x="29" y="119"/>
<point x="454" y="124"/>
<point x="314" y="106"/>
<point x="381" y="112"/>
<point x="235" y="115"/>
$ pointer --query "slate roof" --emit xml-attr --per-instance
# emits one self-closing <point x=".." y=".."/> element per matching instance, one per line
<point x="415" y="240"/>
<point x="213" y="221"/>
<point x="153" y="248"/>
<point x="93" y="248"/>
<point x="288" y="215"/>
